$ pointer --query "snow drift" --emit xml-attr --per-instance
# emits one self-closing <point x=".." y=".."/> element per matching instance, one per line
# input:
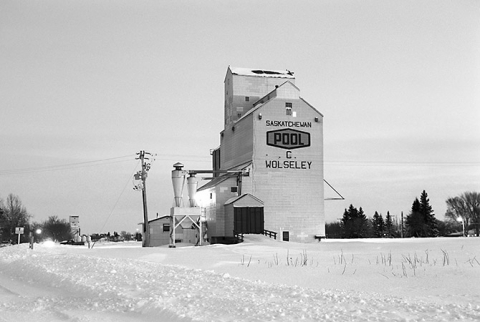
<point x="258" y="280"/>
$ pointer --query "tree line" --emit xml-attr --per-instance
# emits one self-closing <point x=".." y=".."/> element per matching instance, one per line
<point x="420" y="222"/>
<point x="14" y="214"/>
<point x="463" y="214"/>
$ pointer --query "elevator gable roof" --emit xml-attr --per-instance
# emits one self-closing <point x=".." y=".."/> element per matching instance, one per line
<point x="285" y="91"/>
<point x="245" y="200"/>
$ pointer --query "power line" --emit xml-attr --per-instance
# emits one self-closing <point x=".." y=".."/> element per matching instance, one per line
<point x="173" y="157"/>
<point x="70" y="166"/>
<point x="118" y="199"/>
<point x="67" y="166"/>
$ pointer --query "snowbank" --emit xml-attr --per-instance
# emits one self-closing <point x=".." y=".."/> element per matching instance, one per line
<point x="258" y="280"/>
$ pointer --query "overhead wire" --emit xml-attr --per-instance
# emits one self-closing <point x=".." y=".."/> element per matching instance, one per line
<point x="67" y="166"/>
<point x="70" y="166"/>
<point x="172" y="157"/>
<point x="118" y="199"/>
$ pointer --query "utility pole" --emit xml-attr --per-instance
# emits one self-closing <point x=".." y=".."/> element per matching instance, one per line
<point x="142" y="175"/>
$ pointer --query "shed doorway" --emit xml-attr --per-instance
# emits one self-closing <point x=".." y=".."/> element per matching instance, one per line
<point x="248" y="220"/>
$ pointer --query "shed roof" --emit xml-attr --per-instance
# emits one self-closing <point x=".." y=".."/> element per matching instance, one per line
<point x="245" y="200"/>
<point x="158" y="218"/>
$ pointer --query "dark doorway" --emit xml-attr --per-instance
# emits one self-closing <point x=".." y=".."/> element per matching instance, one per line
<point x="248" y="220"/>
<point x="286" y="236"/>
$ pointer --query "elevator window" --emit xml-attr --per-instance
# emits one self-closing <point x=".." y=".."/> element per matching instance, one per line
<point x="288" y="108"/>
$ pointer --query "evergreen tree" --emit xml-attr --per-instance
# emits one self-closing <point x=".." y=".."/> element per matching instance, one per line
<point x="421" y="221"/>
<point x="428" y="215"/>
<point x="354" y="223"/>
<point x="378" y="225"/>
<point x="389" y="225"/>
<point x="415" y="222"/>
<point x="333" y="230"/>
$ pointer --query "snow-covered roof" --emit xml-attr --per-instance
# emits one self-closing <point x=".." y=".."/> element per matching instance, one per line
<point x="158" y="218"/>
<point x="261" y="72"/>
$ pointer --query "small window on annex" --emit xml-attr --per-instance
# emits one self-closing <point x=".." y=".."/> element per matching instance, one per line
<point x="166" y="227"/>
<point x="247" y="98"/>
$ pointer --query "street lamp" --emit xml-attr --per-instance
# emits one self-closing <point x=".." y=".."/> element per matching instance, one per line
<point x="38" y="231"/>
<point x="460" y="219"/>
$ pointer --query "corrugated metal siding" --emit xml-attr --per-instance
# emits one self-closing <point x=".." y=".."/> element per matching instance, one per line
<point x="237" y="144"/>
<point x="237" y="87"/>
<point x="158" y="237"/>
<point x="214" y="208"/>
<point x="204" y="200"/>
<point x="293" y="198"/>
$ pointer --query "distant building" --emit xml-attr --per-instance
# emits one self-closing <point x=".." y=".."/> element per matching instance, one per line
<point x="75" y="227"/>
<point x="274" y="135"/>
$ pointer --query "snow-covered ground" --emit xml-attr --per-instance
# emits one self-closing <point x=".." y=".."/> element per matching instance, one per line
<point x="259" y="280"/>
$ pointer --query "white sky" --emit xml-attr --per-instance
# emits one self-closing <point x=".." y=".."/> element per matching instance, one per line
<point x="397" y="81"/>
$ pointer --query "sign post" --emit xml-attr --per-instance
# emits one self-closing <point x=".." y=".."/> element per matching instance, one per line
<point x="19" y="231"/>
